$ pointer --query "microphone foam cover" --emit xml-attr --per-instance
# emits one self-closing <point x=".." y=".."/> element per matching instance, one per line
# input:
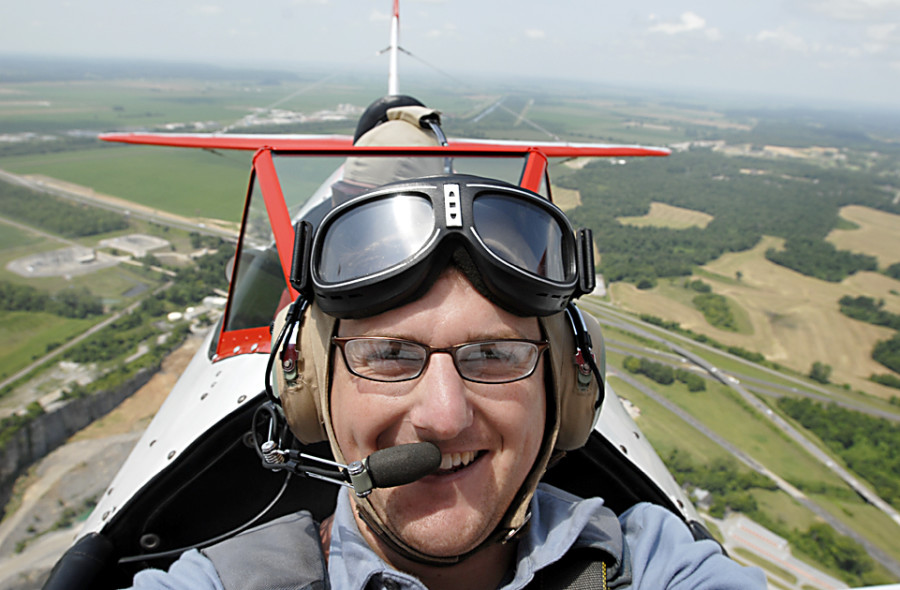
<point x="403" y="464"/>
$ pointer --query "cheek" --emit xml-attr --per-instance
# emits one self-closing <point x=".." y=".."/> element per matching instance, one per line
<point x="360" y="414"/>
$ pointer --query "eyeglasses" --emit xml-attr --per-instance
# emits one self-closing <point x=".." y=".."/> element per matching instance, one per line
<point x="392" y="359"/>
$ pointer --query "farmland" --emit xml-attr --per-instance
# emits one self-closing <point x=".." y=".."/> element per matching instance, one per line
<point x="791" y="319"/>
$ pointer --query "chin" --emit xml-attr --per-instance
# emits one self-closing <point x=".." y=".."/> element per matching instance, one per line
<point x="445" y="531"/>
<point x="432" y="538"/>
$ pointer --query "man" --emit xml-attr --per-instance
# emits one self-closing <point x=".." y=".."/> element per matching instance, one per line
<point x="451" y="336"/>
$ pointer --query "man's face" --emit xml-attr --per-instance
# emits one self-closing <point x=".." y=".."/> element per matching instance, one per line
<point x="492" y="432"/>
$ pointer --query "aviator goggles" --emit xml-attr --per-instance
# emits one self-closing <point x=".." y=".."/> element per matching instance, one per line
<point x="386" y="247"/>
<point x="395" y="359"/>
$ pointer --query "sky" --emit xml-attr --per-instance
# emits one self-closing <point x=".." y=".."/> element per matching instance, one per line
<point x="830" y="51"/>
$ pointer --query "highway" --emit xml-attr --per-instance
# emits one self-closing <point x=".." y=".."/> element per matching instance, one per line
<point x="610" y="317"/>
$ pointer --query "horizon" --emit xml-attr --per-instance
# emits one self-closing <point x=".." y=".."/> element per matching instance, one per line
<point x="837" y="52"/>
<point x="721" y="99"/>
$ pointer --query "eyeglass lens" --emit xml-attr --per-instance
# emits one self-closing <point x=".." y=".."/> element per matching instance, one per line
<point x="387" y="359"/>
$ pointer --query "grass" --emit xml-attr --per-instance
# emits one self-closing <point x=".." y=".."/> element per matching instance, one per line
<point x="864" y="517"/>
<point x="870" y="231"/>
<point x="665" y="431"/>
<point x="11" y="237"/>
<point x="728" y="417"/>
<point x="26" y="336"/>
<point x="192" y="183"/>
<point x="766" y="565"/>
<point x="795" y="319"/>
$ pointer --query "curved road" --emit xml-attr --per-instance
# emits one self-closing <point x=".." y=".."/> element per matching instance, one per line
<point x="618" y="320"/>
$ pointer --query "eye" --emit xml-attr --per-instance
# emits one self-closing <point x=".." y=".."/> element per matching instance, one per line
<point x="384" y="359"/>
<point x="497" y="360"/>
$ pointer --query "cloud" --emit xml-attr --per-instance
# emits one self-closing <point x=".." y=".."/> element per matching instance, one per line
<point x="535" y="34"/>
<point x="689" y="22"/>
<point x="206" y="9"/>
<point x="855" y="10"/>
<point x="784" y="39"/>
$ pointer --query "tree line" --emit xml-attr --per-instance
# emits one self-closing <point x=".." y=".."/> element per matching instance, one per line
<point x="886" y="352"/>
<point x="869" y="446"/>
<point x="867" y="309"/>
<point x="56" y="215"/>
<point x="664" y="374"/>
<point x="672" y="326"/>
<point x="70" y="303"/>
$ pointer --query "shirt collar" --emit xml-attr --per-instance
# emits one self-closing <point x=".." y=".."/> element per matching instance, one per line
<point x="559" y="522"/>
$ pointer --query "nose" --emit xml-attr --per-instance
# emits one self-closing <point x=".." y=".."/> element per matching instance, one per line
<point x="441" y="407"/>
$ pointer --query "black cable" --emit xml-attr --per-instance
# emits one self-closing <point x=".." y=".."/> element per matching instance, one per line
<point x="294" y="314"/>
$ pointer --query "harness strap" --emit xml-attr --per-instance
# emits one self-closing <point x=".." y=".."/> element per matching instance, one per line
<point x="283" y="554"/>
<point x="579" y="569"/>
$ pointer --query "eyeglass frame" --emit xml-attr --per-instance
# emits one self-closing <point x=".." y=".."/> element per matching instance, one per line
<point x="341" y="341"/>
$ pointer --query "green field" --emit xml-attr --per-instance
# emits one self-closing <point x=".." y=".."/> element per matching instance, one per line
<point x="191" y="183"/>
<point x="25" y="337"/>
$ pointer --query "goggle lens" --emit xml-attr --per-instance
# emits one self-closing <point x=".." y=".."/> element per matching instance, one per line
<point x="521" y="234"/>
<point x="375" y="236"/>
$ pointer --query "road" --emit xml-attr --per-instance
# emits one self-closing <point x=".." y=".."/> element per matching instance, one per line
<point x="611" y="317"/>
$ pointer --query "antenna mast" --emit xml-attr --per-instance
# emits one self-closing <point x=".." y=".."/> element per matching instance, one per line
<point x="393" y="88"/>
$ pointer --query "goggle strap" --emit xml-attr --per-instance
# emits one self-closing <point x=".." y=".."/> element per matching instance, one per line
<point x="584" y="253"/>
<point x="300" y="279"/>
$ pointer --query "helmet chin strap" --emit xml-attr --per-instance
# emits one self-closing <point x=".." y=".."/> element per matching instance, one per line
<point x="403" y="549"/>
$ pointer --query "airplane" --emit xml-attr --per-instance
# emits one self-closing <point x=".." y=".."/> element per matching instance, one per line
<point x="200" y="472"/>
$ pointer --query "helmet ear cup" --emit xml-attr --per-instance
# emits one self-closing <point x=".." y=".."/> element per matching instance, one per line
<point x="578" y="405"/>
<point x="304" y="395"/>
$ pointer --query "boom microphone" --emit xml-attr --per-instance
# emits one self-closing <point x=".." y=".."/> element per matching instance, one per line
<point x="403" y="464"/>
<point x="387" y="468"/>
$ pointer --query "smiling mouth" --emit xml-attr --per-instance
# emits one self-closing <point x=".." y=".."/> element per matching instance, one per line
<point x="453" y="462"/>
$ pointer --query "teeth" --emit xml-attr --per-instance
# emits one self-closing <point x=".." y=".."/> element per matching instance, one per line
<point x="453" y="460"/>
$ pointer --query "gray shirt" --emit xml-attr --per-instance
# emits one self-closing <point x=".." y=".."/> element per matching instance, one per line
<point x="648" y="546"/>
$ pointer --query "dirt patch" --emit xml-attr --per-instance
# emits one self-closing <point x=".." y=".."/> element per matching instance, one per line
<point x="878" y="234"/>
<point x="662" y="215"/>
<point x="795" y="319"/>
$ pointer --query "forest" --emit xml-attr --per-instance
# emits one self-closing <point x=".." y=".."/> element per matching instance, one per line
<point x="56" y="215"/>
<point x="869" y="446"/>
<point x="797" y="201"/>
<point x="869" y="310"/>
<point x="69" y="303"/>
<point x="820" y="260"/>
<point x="886" y="352"/>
